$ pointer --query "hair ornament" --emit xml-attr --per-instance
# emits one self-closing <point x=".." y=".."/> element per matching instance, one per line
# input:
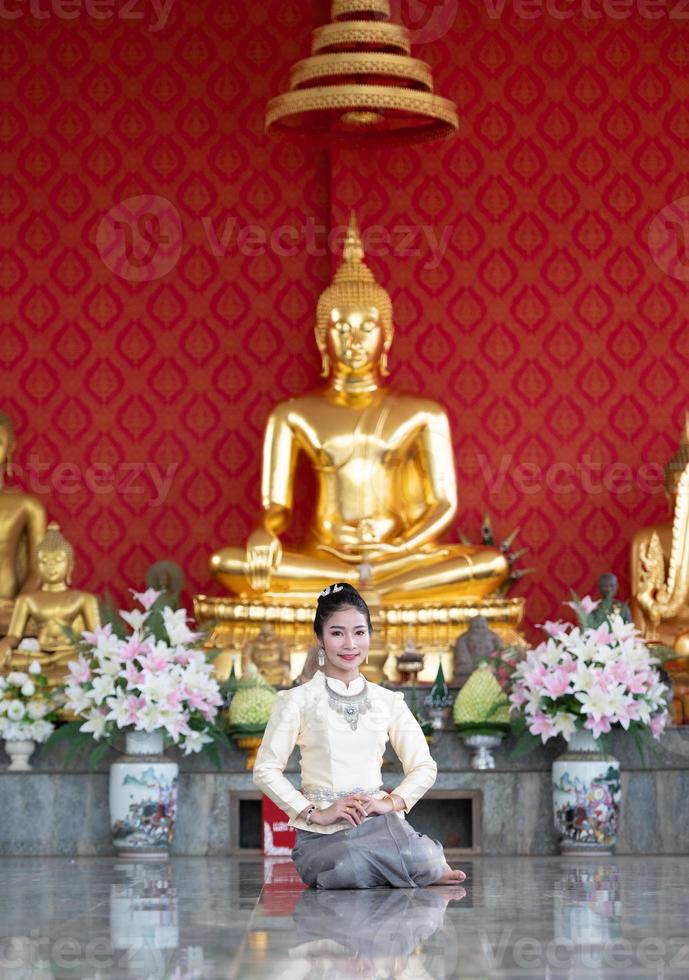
<point x="330" y="588"/>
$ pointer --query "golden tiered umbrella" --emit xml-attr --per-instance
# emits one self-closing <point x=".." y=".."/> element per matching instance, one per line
<point x="360" y="83"/>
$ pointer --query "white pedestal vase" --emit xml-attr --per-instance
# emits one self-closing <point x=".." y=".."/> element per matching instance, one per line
<point x="143" y="798"/>
<point x="586" y="797"/>
<point x="19" y="750"/>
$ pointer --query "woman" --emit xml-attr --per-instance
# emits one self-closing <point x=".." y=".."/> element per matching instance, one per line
<point x="350" y="833"/>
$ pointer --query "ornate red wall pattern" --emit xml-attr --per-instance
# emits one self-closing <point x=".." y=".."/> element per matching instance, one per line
<point x="526" y="297"/>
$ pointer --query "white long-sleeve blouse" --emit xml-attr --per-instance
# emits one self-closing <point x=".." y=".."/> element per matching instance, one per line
<point x="335" y="760"/>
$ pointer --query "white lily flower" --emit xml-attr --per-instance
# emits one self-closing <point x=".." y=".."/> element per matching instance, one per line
<point x="565" y="724"/>
<point x="195" y="742"/>
<point x="103" y="686"/>
<point x="134" y="618"/>
<point x="151" y="717"/>
<point x="95" y="725"/>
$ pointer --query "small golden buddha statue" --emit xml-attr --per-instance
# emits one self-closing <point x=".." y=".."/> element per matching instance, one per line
<point x="384" y="466"/>
<point x="660" y="605"/>
<point x="22" y="526"/>
<point x="270" y="654"/>
<point x="55" y="608"/>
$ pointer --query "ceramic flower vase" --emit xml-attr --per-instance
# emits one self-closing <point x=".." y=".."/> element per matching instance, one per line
<point x="586" y="797"/>
<point x="143" y="798"/>
<point x="19" y="750"/>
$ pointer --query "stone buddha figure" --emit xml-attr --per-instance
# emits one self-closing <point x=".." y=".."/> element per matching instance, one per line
<point x="660" y="602"/>
<point x="384" y="467"/>
<point x="22" y="526"/>
<point x="55" y="608"/>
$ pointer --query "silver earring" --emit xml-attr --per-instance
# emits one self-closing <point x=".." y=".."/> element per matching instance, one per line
<point x="321" y="656"/>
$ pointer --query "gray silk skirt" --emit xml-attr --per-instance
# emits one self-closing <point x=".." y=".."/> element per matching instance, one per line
<point x="382" y="851"/>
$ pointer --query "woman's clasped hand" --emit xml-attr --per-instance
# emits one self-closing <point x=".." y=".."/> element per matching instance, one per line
<point x="353" y="809"/>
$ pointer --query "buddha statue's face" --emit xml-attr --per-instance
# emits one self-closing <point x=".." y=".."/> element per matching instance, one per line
<point x="355" y="338"/>
<point x="54" y="566"/>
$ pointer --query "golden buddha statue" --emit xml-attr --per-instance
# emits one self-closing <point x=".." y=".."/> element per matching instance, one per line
<point x="270" y="654"/>
<point x="55" y="608"/>
<point x="384" y="466"/>
<point x="660" y="606"/>
<point x="22" y="526"/>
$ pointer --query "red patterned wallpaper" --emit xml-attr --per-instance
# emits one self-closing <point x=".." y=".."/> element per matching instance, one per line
<point x="140" y="394"/>
<point x="526" y="297"/>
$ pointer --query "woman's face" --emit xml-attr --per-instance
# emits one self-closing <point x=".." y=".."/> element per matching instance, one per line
<point x="346" y="639"/>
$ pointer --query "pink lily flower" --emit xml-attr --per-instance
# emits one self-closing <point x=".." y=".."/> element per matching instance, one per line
<point x="542" y="725"/>
<point x="134" y="648"/>
<point x="658" y="723"/>
<point x="147" y="598"/>
<point x="133" y="707"/>
<point x="80" y="670"/>
<point x="557" y="684"/>
<point x="600" y="726"/>
<point x="154" y="662"/>
<point x="638" y="684"/>
<point x="133" y="675"/>
<point x="518" y="697"/>
<point x="92" y="637"/>
<point x="553" y="628"/>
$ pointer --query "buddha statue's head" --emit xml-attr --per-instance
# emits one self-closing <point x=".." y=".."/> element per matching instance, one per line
<point x="354" y="316"/>
<point x="677" y="465"/>
<point x="7" y="444"/>
<point x="55" y="558"/>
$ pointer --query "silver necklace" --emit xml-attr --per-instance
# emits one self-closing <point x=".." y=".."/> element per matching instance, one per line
<point x="350" y="706"/>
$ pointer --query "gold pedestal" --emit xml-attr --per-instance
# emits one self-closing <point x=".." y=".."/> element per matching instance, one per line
<point x="433" y="625"/>
<point x="251" y="743"/>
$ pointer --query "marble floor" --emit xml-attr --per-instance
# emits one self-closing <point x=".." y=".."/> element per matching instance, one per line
<point x="225" y="917"/>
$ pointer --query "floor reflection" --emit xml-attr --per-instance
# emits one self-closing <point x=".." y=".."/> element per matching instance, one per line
<point x="207" y="918"/>
<point x="368" y="934"/>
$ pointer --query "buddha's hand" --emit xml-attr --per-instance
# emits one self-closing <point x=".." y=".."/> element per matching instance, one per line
<point x="263" y="554"/>
<point x="349" y="808"/>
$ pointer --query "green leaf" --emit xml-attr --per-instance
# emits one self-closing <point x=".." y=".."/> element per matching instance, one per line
<point x="212" y="754"/>
<point x="525" y="744"/>
<point x="98" y="753"/>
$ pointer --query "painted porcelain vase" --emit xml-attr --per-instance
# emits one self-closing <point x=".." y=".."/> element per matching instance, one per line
<point x="586" y="797"/>
<point x="143" y="798"/>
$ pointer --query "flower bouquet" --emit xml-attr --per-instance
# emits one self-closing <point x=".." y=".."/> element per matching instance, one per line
<point x="581" y="682"/>
<point x="28" y="710"/>
<point x="590" y="678"/>
<point x="152" y="678"/>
